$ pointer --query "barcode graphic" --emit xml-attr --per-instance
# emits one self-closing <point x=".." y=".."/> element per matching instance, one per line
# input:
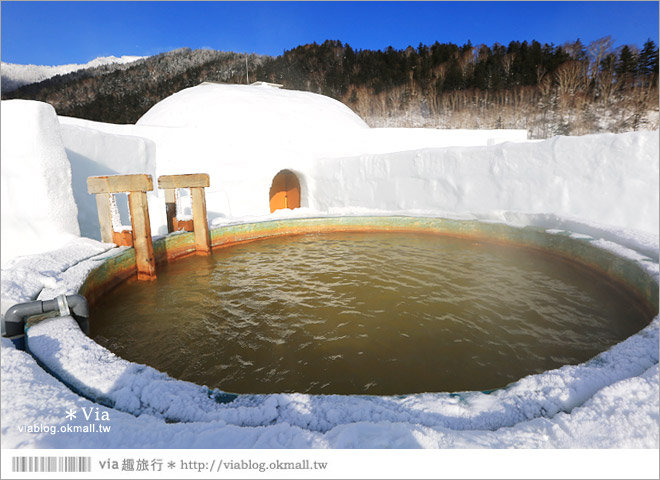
<point x="51" y="464"/>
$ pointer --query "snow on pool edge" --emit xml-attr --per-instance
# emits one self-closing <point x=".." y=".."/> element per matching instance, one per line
<point x="144" y="391"/>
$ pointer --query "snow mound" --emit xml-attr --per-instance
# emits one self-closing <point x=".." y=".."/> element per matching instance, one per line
<point x="38" y="209"/>
<point x="259" y="109"/>
<point x="15" y="75"/>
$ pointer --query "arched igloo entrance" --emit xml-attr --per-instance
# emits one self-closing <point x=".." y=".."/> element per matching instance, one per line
<point x="285" y="191"/>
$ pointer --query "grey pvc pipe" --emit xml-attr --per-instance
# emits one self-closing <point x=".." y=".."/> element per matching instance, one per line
<point x="13" y="323"/>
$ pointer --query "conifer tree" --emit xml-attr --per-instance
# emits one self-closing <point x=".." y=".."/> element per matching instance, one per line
<point x="647" y="61"/>
<point x="626" y="64"/>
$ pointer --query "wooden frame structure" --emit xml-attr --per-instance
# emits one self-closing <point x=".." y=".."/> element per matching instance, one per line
<point x="196" y="182"/>
<point x="137" y="187"/>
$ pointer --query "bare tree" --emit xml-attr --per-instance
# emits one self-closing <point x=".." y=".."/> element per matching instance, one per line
<point x="598" y="50"/>
<point x="570" y="79"/>
<point x="507" y="62"/>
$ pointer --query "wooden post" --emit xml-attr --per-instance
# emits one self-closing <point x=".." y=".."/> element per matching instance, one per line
<point x="105" y="216"/>
<point x="196" y="182"/>
<point x="144" y="247"/>
<point x="136" y="186"/>
<point x="200" y="222"/>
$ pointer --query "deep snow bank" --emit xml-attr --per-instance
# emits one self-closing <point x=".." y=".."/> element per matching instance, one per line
<point x="92" y="152"/>
<point x="607" y="178"/>
<point x="38" y="209"/>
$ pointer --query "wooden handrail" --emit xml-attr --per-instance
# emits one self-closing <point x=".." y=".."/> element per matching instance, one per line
<point x="137" y="187"/>
<point x="196" y="182"/>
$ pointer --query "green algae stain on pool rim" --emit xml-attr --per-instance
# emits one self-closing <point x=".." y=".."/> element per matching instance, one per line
<point x="624" y="274"/>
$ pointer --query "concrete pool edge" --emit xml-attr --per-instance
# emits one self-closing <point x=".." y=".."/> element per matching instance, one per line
<point x="628" y="274"/>
<point x="552" y="389"/>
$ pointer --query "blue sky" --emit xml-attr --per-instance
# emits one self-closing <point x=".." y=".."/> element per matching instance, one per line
<point x="53" y="33"/>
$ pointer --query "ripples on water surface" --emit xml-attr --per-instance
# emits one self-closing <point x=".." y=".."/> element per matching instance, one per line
<point x="377" y="313"/>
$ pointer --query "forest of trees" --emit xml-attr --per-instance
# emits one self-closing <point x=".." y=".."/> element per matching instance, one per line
<point x="570" y="89"/>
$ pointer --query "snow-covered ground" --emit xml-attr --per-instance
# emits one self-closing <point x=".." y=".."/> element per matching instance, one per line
<point x="15" y="75"/>
<point x="601" y="189"/>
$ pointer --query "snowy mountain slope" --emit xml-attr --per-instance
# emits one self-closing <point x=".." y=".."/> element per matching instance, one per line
<point x="15" y="76"/>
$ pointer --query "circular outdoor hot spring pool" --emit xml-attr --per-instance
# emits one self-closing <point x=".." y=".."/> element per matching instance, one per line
<point x="365" y="313"/>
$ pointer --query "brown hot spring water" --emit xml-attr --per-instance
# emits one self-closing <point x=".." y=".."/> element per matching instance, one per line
<point x="365" y="313"/>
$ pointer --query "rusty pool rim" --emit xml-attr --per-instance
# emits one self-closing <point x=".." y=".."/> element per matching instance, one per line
<point x="626" y="273"/>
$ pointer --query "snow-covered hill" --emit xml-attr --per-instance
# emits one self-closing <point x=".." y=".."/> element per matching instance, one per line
<point x="15" y="76"/>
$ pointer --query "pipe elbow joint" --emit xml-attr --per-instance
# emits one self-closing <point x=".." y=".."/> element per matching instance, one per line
<point x="78" y="305"/>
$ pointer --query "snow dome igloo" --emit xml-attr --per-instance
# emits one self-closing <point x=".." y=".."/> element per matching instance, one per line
<point x="546" y="187"/>
<point x="262" y="109"/>
<point x="262" y="128"/>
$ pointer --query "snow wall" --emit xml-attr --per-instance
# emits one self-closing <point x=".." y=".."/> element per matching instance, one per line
<point x="92" y="152"/>
<point x="607" y="178"/>
<point x="38" y="209"/>
<point x="611" y="179"/>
